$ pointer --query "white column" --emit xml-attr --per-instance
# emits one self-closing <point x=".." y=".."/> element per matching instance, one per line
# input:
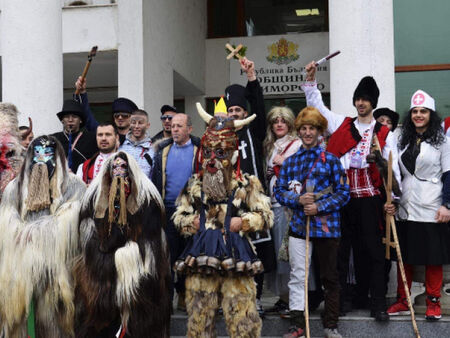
<point x="363" y="30"/>
<point x="32" y="64"/>
<point x="131" y="51"/>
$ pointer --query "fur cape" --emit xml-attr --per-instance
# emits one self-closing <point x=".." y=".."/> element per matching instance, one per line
<point x="36" y="254"/>
<point x="122" y="276"/>
<point x="249" y="203"/>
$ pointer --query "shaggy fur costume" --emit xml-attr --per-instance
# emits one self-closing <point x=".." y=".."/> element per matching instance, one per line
<point x="36" y="252"/>
<point x="123" y="274"/>
<point x="10" y="148"/>
<point x="236" y="289"/>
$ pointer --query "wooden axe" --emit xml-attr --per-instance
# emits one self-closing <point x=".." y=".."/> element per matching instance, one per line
<point x="92" y="53"/>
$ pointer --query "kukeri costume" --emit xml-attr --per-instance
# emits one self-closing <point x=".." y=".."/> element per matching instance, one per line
<point x="362" y="217"/>
<point x="123" y="274"/>
<point x="10" y="148"/>
<point x="39" y="227"/>
<point x="219" y="263"/>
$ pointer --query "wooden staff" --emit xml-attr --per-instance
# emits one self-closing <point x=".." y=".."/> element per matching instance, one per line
<point x="309" y="188"/>
<point x="390" y="220"/>
<point x="92" y="53"/>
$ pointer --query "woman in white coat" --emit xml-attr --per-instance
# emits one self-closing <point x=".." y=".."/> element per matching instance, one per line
<point x="423" y="212"/>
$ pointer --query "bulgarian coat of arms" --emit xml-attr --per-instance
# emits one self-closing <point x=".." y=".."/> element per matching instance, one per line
<point x="282" y="52"/>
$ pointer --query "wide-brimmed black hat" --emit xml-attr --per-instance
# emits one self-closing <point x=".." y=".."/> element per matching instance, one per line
<point x="235" y="96"/>
<point x="72" y="107"/>
<point x="123" y="105"/>
<point x="390" y="113"/>
<point x="368" y="90"/>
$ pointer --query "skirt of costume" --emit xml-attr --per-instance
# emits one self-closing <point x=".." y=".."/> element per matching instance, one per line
<point x="215" y="251"/>
<point x="424" y="243"/>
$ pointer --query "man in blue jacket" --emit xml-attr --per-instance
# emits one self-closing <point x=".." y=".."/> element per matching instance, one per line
<point x="312" y="184"/>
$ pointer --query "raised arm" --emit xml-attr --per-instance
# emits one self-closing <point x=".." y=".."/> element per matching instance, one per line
<point x="255" y="97"/>
<point x="91" y="123"/>
<point x="314" y="99"/>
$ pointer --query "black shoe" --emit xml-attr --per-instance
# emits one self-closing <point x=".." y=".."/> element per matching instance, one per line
<point x="278" y="308"/>
<point x="380" y="316"/>
<point x="345" y="307"/>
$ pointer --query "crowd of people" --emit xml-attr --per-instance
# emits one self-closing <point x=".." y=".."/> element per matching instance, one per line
<point x="103" y="226"/>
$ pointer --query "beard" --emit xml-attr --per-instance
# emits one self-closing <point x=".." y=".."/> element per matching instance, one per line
<point x="38" y="188"/>
<point x="216" y="185"/>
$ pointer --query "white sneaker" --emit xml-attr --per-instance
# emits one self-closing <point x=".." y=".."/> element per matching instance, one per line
<point x="331" y="333"/>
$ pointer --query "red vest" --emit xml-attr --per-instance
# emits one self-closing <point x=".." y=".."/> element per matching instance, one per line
<point x="346" y="137"/>
<point x="88" y="169"/>
<point x="446" y="124"/>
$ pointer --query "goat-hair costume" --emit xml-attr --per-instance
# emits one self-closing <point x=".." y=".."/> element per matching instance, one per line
<point x="10" y="148"/>
<point x="123" y="274"/>
<point x="220" y="259"/>
<point x="39" y="239"/>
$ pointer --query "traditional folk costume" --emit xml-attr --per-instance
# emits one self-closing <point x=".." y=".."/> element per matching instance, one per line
<point x="425" y="167"/>
<point x="39" y="227"/>
<point x="327" y="176"/>
<point x="362" y="218"/>
<point x="10" y="148"/>
<point x="123" y="274"/>
<point x="220" y="263"/>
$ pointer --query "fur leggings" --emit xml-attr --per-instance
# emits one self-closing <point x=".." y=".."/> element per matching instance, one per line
<point x="237" y="294"/>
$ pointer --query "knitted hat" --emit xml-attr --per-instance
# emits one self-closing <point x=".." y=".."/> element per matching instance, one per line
<point x="311" y="116"/>
<point x="368" y="90"/>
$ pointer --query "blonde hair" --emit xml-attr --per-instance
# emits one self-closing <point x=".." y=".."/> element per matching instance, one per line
<point x="288" y="116"/>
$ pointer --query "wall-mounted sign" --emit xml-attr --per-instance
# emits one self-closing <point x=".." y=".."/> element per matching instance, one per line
<point x="280" y="60"/>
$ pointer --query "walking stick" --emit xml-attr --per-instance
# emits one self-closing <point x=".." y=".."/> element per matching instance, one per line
<point x="391" y="221"/>
<point x="309" y="188"/>
<point x="86" y="67"/>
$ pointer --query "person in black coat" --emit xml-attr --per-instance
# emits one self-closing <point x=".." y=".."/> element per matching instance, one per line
<point x="79" y="145"/>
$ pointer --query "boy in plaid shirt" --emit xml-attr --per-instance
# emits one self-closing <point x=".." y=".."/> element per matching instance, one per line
<point x="326" y="176"/>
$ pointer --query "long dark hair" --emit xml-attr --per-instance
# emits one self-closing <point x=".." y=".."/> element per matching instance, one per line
<point x="434" y="134"/>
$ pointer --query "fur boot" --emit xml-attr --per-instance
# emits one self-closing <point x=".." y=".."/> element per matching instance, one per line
<point x="239" y="307"/>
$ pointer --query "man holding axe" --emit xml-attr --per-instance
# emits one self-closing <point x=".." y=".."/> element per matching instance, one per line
<point x="315" y="206"/>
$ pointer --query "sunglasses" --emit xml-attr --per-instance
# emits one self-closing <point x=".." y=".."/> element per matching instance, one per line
<point x="168" y="117"/>
<point x="122" y="115"/>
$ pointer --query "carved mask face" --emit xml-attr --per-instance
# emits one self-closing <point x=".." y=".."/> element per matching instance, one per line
<point x="44" y="153"/>
<point x="119" y="168"/>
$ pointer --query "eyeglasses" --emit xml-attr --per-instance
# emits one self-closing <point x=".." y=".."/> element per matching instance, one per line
<point x="167" y="117"/>
<point x="219" y="152"/>
<point x="237" y="110"/>
<point x="122" y="115"/>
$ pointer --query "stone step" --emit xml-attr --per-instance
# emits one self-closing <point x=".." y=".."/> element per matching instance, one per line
<point x="355" y="324"/>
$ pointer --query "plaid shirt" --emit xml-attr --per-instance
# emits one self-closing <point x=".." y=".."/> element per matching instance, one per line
<point x="327" y="172"/>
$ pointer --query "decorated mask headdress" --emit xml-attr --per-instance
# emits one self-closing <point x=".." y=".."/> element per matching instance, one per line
<point x="220" y="140"/>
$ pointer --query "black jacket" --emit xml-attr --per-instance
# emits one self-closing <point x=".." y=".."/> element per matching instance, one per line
<point x="84" y="149"/>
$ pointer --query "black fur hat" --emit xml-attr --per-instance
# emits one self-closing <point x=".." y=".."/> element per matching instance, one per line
<point x="390" y="113"/>
<point x="368" y="90"/>
<point x="235" y="96"/>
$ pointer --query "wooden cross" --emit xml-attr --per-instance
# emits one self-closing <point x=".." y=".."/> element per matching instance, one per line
<point x="234" y="51"/>
<point x="389" y="218"/>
